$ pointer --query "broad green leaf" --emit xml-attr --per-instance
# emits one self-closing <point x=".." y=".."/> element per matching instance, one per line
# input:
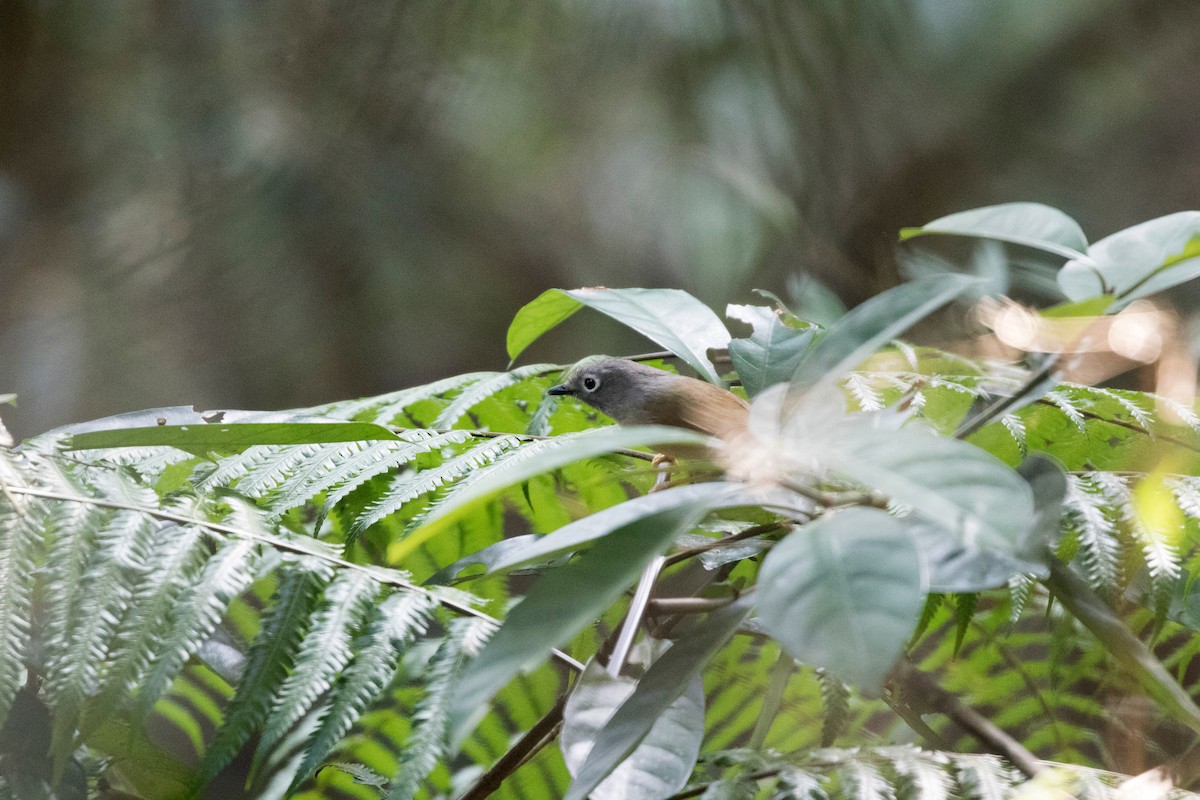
<point x="1091" y="307"/>
<point x="204" y="438"/>
<point x="669" y="317"/>
<point x="1137" y="261"/>
<point x="671" y="675"/>
<point x="772" y="352"/>
<point x="657" y="767"/>
<point x="968" y="491"/>
<point x="876" y="322"/>
<point x="559" y="452"/>
<point x="701" y="497"/>
<point x="1029" y="224"/>
<point x="843" y="593"/>
<point x="563" y="602"/>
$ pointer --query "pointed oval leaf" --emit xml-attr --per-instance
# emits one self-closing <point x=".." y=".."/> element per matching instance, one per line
<point x="583" y="532"/>
<point x="1029" y="224"/>
<point x="844" y="593"/>
<point x="676" y="672"/>
<point x="1137" y="261"/>
<point x="669" y="317"/>
<point x="661" y="764"/>
<point x="560" y="604"/>
<point x="876" y="322"/>
<point x="771" y="353"/>
<point x="967" y="490"/>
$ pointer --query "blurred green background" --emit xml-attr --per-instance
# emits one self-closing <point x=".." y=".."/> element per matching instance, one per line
<point x="274" y="204"/>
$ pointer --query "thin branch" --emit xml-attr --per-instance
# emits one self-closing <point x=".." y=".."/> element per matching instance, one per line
<point x="687" y="605"/>
<point x="1003" y="404"/>
<point x="749" y="533"/>
<point x="381" y="574"/>
<point x="935" y="697"/>
<point x="541" y="734"/>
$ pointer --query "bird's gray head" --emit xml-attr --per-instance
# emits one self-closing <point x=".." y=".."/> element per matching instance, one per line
<point x="616" y="386"/>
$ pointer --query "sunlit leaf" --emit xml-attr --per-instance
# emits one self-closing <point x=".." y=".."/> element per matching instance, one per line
<point x="1138" y="261"/>
<point x="669" y="317"/>
<point x="1029" y="224"/>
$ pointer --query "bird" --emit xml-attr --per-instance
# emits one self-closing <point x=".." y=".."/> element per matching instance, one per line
<point x="636" y="394"/>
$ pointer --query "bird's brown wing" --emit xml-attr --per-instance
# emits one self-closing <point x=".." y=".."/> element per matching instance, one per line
<point x="701" y="407"/>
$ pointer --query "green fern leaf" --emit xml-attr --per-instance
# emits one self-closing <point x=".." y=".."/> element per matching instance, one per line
<point x="196" y="613"/>
<point x="324" y="651"/>
<point x="835" y="697"/>
<point x="428" y="742"/>
<point x="1091" y="519"/>
<point x="983" y="777"/>
<point x="395" y="408"/>
<point x="861" y="781"/>
<point x="350" y="467"/>
<point x="178" y="554"/>
<point x="407" y="487"/>
<point x="799" y="784"/>
<point x="20" y="540"/>
<point x="394" y="623"/>
<point x="267" y="663"/>
<point x="482" y="390"/>
<point x="259" y="469"/>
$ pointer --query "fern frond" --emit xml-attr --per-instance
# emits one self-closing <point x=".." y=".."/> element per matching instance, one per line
<point x="799" y="784"/>
<point x="350" y="467"/>
<point x="258" y="469"/>
<point x="539" y="422"/>
<point x="324" y="651"/>
<point x="862" y="781"/>
<point x="20" y="540"/>
<point x="1127" y="401"/>
<point x="395" y="408"/>
<point x="409" y="486"/>
<point x="1097" y="532"/>
<point x="1066" y="404"/>
<point x="865" y="395"/>
<point x="983" y="777"/>
<point x="267" y="663"/>
<point x="482" y="390"/>
<point x="427" y="743"/>
<point x="923" y="773"/>
<point x="1016" y="428"/>
<point x="196" y="613"/>
<point x="394" y="623"/>
<point x="835" y="699"/>
<point x="1161" y="556"/>
<point x="177" y="557"/>
<point x="1185" y="414"/>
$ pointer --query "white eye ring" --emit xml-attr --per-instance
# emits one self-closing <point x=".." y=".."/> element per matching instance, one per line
<point x="591" y="384"/>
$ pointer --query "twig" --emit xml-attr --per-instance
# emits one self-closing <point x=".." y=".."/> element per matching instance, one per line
<point x="541" y="734"/>
<point x="749" y="533"/>
<point x="1005" y="403"/>
<point x="687" y="605"/>
<point x="931" y="694"/>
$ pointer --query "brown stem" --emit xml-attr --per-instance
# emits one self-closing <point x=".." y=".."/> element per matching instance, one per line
<point x="935" y="697"/>
<point x="541" y="734"/>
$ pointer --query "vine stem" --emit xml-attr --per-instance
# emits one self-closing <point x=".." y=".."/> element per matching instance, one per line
<point x="381" y="574"/>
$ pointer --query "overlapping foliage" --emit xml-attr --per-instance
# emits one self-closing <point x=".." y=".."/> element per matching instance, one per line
<point x="907" y="545"/>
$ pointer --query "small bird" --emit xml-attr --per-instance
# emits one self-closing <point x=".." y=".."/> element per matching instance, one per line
<point x="635" y="394"/>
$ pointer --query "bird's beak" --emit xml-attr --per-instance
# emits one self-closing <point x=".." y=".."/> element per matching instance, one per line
<point x="559" y="389"/>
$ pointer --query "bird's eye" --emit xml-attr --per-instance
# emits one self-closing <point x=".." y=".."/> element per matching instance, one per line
<point x="591" y="384"/>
